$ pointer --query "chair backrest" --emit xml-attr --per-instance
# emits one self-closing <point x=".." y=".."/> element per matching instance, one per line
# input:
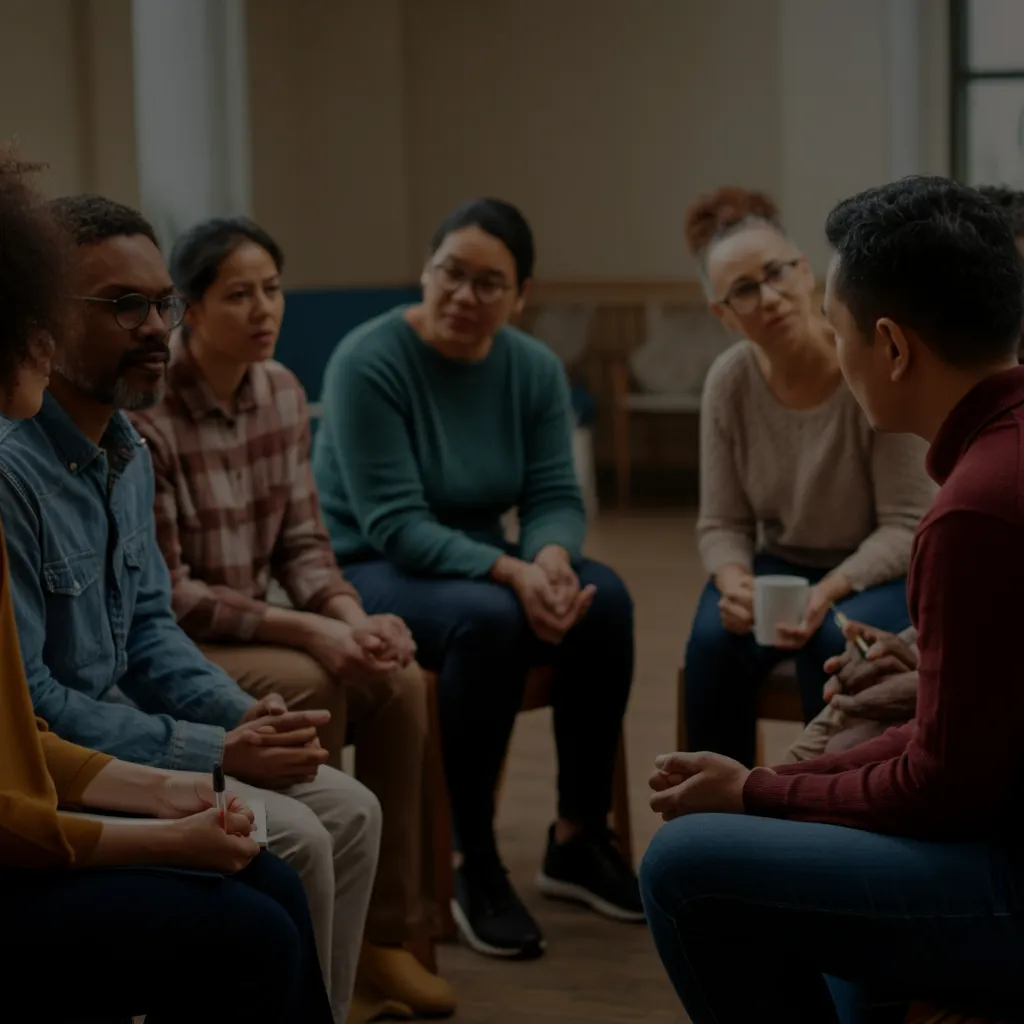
<point x="679" y="347"/>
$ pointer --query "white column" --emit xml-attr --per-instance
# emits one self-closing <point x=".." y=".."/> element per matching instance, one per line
<point x="903" y="67"/>
<point x="191" y="111"/>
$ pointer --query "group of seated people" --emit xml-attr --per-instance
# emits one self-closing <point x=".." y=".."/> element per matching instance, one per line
<point x="156" y="480"/>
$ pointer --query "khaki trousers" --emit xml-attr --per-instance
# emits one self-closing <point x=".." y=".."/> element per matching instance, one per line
<point x="832" y="732"/>
<point x="386" y="720"/>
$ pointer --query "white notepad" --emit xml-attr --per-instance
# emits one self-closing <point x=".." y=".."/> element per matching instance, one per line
<point x="258" y="806"/>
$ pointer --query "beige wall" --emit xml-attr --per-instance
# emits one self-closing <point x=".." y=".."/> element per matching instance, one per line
<point x="66" y="91"/>
<point x="326" y="115"/>
<point x="602" y="119"/>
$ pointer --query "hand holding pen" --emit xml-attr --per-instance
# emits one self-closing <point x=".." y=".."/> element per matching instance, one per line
<point x="876" y="656"/>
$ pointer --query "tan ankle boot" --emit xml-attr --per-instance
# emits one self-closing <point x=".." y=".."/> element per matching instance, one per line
<point x="398" y="975"/>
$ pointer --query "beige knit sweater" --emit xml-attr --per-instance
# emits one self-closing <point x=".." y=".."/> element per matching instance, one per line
<point x="817" y="487"/>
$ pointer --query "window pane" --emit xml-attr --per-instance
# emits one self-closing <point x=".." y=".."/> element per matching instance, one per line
<point x="995" y="133"/>
<point x="995" y="34"/>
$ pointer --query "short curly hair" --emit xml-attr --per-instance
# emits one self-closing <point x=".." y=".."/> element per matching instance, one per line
<point x="90" y="219"/>
<point x="32" y="267"/>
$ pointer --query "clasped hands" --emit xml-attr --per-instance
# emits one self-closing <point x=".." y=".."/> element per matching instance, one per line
<point x="273" y="747"/>
<point x="367" y="646"/>
<point x="550" y="593"/>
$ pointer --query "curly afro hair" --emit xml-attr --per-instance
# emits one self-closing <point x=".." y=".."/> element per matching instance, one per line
<point x="32" y="267"/>
<point x="715" y="215"/>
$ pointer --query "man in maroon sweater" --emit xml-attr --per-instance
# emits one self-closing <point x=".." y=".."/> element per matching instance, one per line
<point x="896" y="869"/>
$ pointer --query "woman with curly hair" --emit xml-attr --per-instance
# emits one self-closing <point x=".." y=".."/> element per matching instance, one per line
<point x="127" y="913"/>
<point x="793" y="481"/>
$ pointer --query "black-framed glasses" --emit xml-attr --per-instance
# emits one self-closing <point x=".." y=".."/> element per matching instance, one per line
<point x="132" y="310"/>
<point x="486" y="289"/>
<point x="780" y="276"/>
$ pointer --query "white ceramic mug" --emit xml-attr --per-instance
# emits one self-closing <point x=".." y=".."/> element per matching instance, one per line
<point x="778" y="601"/>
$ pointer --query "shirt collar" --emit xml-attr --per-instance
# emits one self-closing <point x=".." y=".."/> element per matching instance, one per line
<point x="985" y="402"/>
<point x="75" y="449"/>
<point x="186" y="382"/>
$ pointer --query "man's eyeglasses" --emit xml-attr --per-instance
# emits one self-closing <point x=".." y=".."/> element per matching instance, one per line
<point x="486" y="289"/>
<point x="132" y="311"/>
<point x="744" y="299"/>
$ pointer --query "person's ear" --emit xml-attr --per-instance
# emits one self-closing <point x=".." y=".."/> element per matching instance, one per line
<point x="727" y="317"/>
<point x="896" y="348"/>
<point x="523" y="297"/>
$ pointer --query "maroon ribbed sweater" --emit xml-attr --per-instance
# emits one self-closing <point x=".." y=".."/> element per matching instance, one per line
<point x="957" y="770"/>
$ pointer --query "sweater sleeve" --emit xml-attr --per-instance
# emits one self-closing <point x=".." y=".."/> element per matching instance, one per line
<point x="948" y="774"/>
<point x="726" y="525"/>
<point x="903" y="492"/>
<point x="551" y="508"/>
<point x="367" y="428"/>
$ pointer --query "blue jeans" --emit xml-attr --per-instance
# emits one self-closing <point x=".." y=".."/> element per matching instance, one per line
<point x="723" y="671"/>
<point x="474" y="634"/>
<point x="748" y="915"/>
<point x="175" y="945"/>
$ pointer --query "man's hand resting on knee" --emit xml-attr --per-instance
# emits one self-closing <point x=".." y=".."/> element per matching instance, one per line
<point x="276" y="751"/>
<point x="348" y="651"/>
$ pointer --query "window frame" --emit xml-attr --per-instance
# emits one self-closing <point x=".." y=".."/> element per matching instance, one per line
<point x="961" y="77"/>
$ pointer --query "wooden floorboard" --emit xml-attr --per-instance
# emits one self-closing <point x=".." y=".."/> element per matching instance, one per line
<point x="596" y="970"/>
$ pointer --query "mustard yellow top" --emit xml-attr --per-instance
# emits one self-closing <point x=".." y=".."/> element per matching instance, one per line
<point x="38" y="770"/>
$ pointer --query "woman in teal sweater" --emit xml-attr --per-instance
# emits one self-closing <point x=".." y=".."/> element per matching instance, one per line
<point x="438" y="419"/>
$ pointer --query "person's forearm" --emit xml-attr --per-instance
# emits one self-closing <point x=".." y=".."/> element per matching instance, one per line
<point x="835" y="586"/>
<point x="506" y="569"/>
<point x="730" y="575"/>
<point x="123" y="786"/>
<point x="285" y="627"/>
<point x="143" y="842"/>
<point x="553" y="551"/>
<point x="345" y="609"/>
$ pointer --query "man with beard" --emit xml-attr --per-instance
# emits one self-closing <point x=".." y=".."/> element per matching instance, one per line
<point x="107" y="665"/>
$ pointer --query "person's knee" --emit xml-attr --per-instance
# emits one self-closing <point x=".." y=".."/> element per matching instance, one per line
<point x="612" y="607"/>
<point x="680" y="860"/>
<point x="303" y="682"/>
<point x="306" y="844"/>
<point x="407" y="688"/>
<point x="493" y="616"/>
<point x="356" y="821"/>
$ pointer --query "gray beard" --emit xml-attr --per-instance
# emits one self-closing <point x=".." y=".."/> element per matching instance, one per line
<point x="117" y="393"/>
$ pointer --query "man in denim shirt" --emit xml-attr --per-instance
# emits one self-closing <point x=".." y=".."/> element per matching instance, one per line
<point x="92" y="593"/>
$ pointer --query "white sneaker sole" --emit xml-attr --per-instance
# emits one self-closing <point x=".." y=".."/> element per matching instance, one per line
<point x="556" y="890"/>
<point x="470" y="938"/>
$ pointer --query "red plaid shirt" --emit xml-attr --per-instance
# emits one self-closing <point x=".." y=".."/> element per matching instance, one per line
<point x="236" y="504"/>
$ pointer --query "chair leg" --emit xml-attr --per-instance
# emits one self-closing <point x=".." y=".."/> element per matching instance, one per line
<point x="444" y="882"/>
<point x="620" y="432"/>
<point x="620" y="804"/>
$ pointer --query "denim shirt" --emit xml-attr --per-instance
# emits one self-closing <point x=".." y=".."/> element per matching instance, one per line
<point x="92" y="598"/>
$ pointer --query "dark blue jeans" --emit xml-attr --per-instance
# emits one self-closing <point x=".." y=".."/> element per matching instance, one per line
<point x="723" y="671"/>
<point x="749" y="914"/>
<point x="474" y="634"/>
<point x="177" y="946"/>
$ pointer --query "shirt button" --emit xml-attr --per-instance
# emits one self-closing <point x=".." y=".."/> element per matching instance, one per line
<point x="73" y="466"/>
<point x="76" y="589"/>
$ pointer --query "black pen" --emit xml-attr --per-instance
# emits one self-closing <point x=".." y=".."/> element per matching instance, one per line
<point x="218" y="792"/>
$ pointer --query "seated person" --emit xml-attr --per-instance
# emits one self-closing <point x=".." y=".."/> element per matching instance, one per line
<point x="439" y="418"/>
<point x="233" y="906"/>
<point x="93" y="599"/>
<point x="839" y="508"/>
<point x="879" y="867"/>
<point x="236" y="506"/>
<point x="868" y="692"/>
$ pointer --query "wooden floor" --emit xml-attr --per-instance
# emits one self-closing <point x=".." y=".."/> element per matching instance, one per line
<point x="596" y="970"/>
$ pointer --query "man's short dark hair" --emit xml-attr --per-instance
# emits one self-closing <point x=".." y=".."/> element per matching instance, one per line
<point x="934" y="256"/>
<point x="91" y="219"/>
<point x="1011" y="202"/>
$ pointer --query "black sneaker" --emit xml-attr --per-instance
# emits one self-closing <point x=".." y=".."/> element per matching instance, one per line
<point x="490" y="916"/>
<point x="589" y="869"/>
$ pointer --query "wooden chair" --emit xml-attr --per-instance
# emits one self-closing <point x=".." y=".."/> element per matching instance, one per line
<point x="778" y="700"/>
<point x="537" y="695"/>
